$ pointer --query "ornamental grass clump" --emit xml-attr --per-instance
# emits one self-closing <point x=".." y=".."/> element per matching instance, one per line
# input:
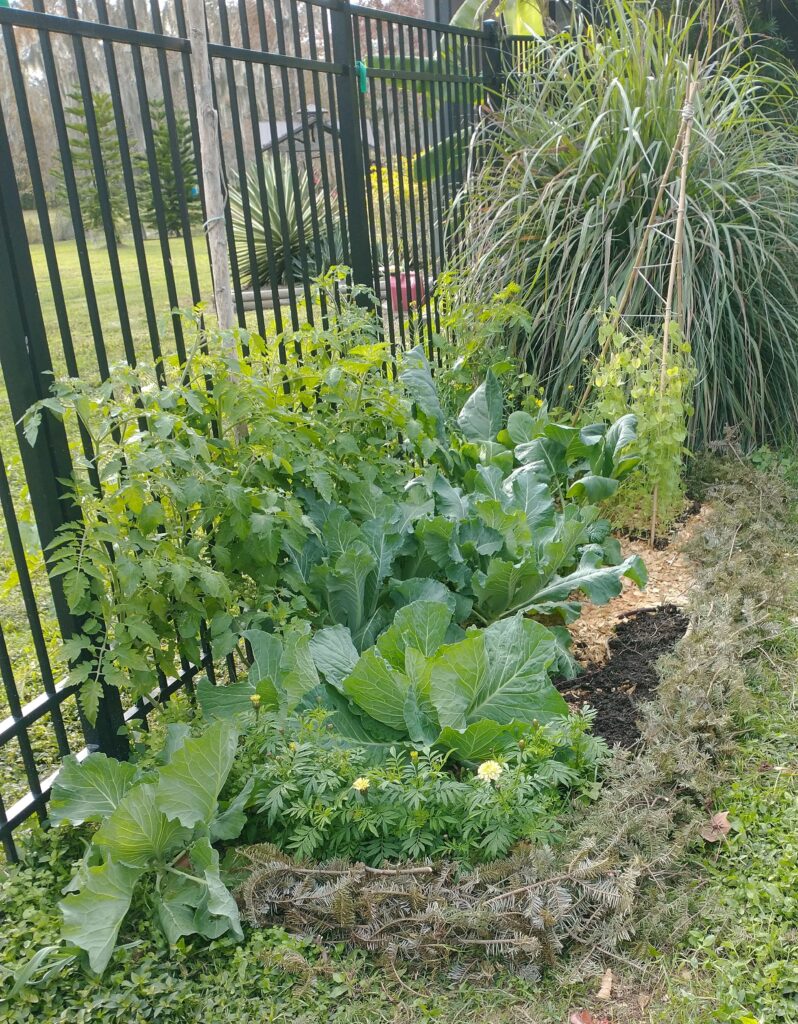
<point x="575" y="159"/>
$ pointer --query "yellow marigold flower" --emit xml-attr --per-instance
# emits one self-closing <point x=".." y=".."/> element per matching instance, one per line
<point x="414" y="755"/>
<point x="361" y="784"/>
<point x="255" y="700"/>
<point x="490" y="770"/>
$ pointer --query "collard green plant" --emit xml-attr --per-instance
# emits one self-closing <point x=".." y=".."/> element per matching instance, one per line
<point x="317" y="800"/>
<point x="576" y="155"/>
<point x="247" y="505"/>
<point x="156" y="828"/>
<point x="425" y="683"/>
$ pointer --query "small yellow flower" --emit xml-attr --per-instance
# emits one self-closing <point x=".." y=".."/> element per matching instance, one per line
<point x="255" y="700"/>
<point x="361" y="784"/>
<point x="490" y="770"/>
<point x="414" y="755"/>
<point x="292" y="745"/>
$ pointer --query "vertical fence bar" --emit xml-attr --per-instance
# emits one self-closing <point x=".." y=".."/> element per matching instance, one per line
<point x="342" y="23"/>
<point x="25" y="360"/>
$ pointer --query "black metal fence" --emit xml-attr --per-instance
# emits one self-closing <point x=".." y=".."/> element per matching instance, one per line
<point x="338" y="127"/>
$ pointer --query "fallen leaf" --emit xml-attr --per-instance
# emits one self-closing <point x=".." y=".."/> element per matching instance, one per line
<point x="586" y="1017"/>
<point x="605" y="992"/>
<point x="716" y="828"/>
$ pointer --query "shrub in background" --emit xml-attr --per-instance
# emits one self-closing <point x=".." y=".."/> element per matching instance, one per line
<point x="626" y="379"/>
<point x="278" y="212"/>
<point x="575" y="157"/>
<point x="175" y="194"/>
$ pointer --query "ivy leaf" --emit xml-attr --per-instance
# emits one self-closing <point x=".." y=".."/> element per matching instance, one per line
<point x="189" y="786"/>
<point x="89" y="790"/>
<point x="93" y="917"/>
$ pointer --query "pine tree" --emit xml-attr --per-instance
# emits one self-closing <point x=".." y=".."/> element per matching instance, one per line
<point x="174" y="193"/>
<point x="83" y="164"/>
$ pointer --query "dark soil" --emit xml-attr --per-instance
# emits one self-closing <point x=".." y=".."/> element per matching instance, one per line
<point x="628" y="678"/>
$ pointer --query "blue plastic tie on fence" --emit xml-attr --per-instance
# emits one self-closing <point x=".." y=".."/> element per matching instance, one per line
<point x="362" y="75"/>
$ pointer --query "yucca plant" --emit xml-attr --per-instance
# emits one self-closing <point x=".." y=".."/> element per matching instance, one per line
<point x="574" y="162"/>
<point x="296" y="207"/>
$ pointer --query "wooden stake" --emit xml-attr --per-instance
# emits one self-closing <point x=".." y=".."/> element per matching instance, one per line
<point x="626" y="295"/>
<point x="210" y="152"/>
<point x="676" y="259"/>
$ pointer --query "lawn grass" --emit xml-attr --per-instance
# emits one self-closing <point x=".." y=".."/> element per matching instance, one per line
<point x="739" y="962"/>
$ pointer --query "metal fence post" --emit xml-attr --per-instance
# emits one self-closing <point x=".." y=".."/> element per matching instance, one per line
<point x="27" y="370"/>
<point x="342" y="28"/>
<point x="492" y="58"/>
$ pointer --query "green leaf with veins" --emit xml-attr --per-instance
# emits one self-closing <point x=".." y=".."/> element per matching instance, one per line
<point x="138" y="832"/>
<point x="379" y="689"/>
<point x="189" y="786"/>
<point x="482" y="740"/>
<point x="598" y="582"/>
<point x="422" y="625"/>
<point x="333" y="653"/>
<point x="500" y="673"/>
<point x="93" y="917"/>
<point x="482" y="416"/>
<point x="89" y="790"/>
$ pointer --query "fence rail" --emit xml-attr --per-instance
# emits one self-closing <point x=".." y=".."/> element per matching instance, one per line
<point x="323" y="107"/>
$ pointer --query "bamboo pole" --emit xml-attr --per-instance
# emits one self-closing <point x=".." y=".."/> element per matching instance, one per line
<point x="210" y="152"/>
<point x="676" y="261"/>
<point x="637" y="266"/>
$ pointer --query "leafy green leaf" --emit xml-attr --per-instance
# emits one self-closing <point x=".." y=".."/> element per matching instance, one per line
<point x="499" y="674"/>
<point x="482" y="416"/>
<point x="89" y="790"/>
<point x="481" y="740"/>
<point x="93" y="917"/>
<point x="421" y="625"/>
<point x="334" y="653"/>
<point x="138" y="832"/>
<point x="379" y="689"/>
<point x="189" y="786"/>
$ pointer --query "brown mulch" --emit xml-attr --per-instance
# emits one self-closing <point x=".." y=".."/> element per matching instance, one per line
<point x="670" y="579"/>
